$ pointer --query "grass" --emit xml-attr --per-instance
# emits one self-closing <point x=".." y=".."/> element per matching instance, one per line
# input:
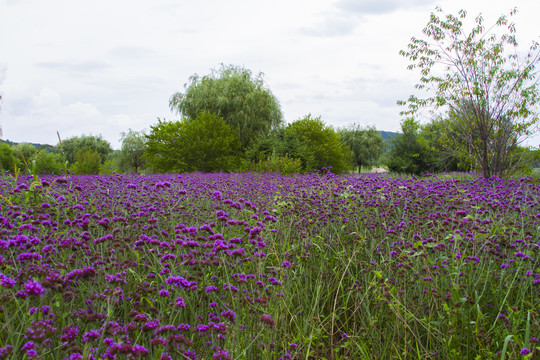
<point x="264" y="266"/>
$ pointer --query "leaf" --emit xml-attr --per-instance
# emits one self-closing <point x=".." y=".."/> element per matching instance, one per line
<point x="506" y="341"/>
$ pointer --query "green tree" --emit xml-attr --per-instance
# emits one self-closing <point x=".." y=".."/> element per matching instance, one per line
<point x="7" y="160"/>
<point x="206" y="143"/>
<point x="367" y="144"/>
<point x="321" y="146"/>
<point x="23" y="153"/>
<point x="47" y="162"/>
<point x="132" y="151"/>
<point x="433" y="136"/>
<point x="407" y="154"/>
<point x="234" y="94"/>
<point x="279" y="144"/>
<point x="163" y="146"/>
<point x="87" y="161"/>
<point x="491" y="94"/>
<point x="79" y="144"/>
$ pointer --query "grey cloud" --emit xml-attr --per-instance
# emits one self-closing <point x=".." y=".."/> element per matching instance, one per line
<point x="376" y="7"/>
<point x="341" y="19"/>
<point x="74" y="66"/>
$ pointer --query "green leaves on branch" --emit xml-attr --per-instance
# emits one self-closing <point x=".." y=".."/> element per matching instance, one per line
<point x="322" y="147"/>
<point x="206" y="143"/>
<point x="490" y="93"/>
<point x="235" y="95"/>
<point x="367" y="144"/>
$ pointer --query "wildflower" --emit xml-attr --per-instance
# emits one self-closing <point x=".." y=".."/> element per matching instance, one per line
<point x="222" y="354"/>
<point x="267" y="319"/>
<point x="229" y="314"/>
<point x="6" y="281"/>
<point x="69" y="333"/>
<point x="32" y="287"/>
<point x="525" y="351"/>
<point x="5" y="351"/>
<point x="180" y="302"/>
<point x="90" y="335"/>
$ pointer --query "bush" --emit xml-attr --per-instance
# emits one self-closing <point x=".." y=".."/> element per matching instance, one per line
<point x="281" y="164"/>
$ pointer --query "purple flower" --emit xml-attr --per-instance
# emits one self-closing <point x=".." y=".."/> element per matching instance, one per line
<point x="229" y="314"/>
<point x="6" y="281"/>
<point x="525" y="351"/>
<point x="222" y="354"/>
<point x="32" y="287"/>
<point x="180" y="302"/>
<point x="90" y="335"/>
<point x="5" y="351"/>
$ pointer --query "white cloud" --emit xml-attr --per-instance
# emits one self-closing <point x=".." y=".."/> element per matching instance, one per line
<point x="40" y="116"/>
<point x="106" y="66"/>
<point x="3" y="73"/>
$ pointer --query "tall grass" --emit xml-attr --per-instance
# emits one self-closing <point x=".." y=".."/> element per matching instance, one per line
<point x="264" y="266"/>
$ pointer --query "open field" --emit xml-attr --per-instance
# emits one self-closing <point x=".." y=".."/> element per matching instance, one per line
<point x="263" y="266"/>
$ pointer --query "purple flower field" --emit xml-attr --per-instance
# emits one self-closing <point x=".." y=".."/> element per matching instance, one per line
<point x="264" y="266"/>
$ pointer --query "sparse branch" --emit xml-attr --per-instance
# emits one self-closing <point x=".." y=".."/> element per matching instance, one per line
<point x="490" y="95"/>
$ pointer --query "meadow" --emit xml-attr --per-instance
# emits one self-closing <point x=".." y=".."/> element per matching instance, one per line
<point x="265" y="266"/>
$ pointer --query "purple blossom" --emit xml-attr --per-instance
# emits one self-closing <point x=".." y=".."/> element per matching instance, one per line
<point x="33" y="288"/>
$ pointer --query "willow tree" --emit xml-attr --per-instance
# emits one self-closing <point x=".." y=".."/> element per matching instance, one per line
<point x="367" y="144"/>
<point x="478" y="77"/>
<point x="234" y="94"/>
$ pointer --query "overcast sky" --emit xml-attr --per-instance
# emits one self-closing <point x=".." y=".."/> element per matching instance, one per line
<point x="103" y="66"/>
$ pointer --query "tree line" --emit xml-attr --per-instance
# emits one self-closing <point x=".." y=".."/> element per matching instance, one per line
<point x="483" y="101"/>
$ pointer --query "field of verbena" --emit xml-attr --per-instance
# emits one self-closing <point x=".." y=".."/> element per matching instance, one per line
<point x="252" y="266"/>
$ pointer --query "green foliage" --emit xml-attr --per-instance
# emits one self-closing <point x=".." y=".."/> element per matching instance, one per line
<point x="282" y="164"/>
<point x="80" y="144"/>
<point x="163" y="146"/>
<point x="234" y="94"/>
<point x="319" y="144"/>
<point x="7" y="160"/>
<point x="48" y="163"/>
<point x="408" y="155"/>
<point x="23" y="154"/>
<point x="113" y="163"/>
<point x="131" y="154"/>
<point x="37" y="160"/>
<point x="491" y="94"/>
<point x="206" y="143"/>
<point x="367" y="144"/>
<point x="280" y="144"/>
<point x="87" y="161"/>
<point x="433" y="138"/>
